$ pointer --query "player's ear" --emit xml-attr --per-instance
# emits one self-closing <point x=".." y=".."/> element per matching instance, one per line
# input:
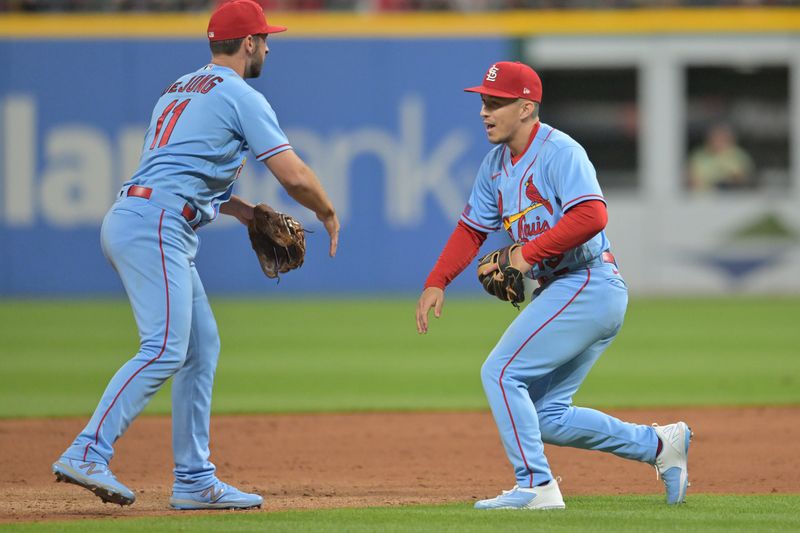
<point x="527" y="109"/>
<point x="250" y="44"/>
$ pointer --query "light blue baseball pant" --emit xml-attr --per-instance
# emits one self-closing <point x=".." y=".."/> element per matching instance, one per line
<point x="152" y="249"/>
<point x="540" y="361"/>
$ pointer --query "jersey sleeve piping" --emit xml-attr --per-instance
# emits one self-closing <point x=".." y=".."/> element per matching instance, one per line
<point x="273" y="151"/>
<point x="583" y="198"/>
<point x="475" y="225"/>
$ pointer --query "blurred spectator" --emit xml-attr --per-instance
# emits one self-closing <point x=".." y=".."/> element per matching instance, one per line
<point x="720" y="163"/>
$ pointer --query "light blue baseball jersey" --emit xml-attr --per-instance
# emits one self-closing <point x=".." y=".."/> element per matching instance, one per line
<point x="193" y="152"/>
<point x="199" y="132"/>
<point x="530" y="197"/>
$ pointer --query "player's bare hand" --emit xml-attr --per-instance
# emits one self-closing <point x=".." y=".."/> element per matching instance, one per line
<point x="331" y="223"/>
<point x="518" y="262"/>
<point x="431" y="297"/>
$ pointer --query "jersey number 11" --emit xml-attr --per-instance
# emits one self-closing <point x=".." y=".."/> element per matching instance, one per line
<point x="176" y="110"/>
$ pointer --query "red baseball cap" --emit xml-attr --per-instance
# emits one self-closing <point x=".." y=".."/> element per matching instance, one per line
<point x="508" y="79"/>
<point x="239" y="18"/>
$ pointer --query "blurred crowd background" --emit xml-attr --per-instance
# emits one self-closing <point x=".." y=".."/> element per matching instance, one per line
<point x="690" y="119"/>
<point x="372" y="5"/>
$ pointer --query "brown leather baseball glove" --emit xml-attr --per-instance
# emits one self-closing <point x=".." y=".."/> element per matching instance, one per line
<point x="278" y="240"/>
<point x="505" y="282"/>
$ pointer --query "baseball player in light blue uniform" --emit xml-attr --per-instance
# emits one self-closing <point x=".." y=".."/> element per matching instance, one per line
<point x="193" y="152"/>
<point x="526" y="186"/>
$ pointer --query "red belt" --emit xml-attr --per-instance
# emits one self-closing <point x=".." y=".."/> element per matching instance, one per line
<point x="605" y="257"/>
<point x="138" y="191"/>
<point x="608" y="257"/>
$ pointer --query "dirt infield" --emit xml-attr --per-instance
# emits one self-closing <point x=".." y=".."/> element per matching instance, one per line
<point x="353" y="460"/>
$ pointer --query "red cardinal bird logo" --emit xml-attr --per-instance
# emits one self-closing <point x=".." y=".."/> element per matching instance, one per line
<point x="534" y="196"/>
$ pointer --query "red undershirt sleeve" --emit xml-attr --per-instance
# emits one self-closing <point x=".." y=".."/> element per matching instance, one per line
<point x="579" y="224"/>
<point x="458" y="253"/>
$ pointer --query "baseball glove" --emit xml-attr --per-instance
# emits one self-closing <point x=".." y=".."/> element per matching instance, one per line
<point x="278" y="240"/>
<point x="505" y="282"/>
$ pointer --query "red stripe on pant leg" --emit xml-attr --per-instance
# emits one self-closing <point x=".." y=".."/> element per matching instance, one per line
<point x="502" y="389"/>
<point x="163" y="346"/>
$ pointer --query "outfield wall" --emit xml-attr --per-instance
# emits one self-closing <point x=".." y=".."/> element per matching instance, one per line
<point x="375" y="105"/>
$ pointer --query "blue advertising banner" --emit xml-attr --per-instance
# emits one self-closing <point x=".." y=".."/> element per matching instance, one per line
<point x="384" y="123"/>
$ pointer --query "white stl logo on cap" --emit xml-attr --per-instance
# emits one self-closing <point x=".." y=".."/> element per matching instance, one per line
<point x="525" y="90"/>
<point x="211" y="35"/>
<point x="492" y="74"/>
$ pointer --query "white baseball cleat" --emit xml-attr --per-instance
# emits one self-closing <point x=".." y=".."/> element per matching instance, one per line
<point x="542" y="497"/>
<point x="672" y="463"/>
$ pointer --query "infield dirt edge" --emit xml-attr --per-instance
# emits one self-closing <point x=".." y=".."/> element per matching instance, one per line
<point x="318" y="461"/>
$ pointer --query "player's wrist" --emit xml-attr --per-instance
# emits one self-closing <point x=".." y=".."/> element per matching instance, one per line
<point x="530" y="253"/>
<point x="434" y="284"/>
<point x="518" y="260"/>
<point x="246" y="211"/>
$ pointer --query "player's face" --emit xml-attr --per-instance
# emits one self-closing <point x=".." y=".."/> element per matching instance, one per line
<point x="256" y="59"/>
<point x="501" y="118"/>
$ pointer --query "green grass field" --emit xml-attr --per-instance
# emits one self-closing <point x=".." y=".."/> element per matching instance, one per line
<point x="584" y="513"/>
<point x="356" y="355"/>
<point x="353" y="355"/>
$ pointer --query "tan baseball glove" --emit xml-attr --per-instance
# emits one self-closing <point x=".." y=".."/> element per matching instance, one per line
<point x="504" y="282"/>
<point x="278" y="240"/>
